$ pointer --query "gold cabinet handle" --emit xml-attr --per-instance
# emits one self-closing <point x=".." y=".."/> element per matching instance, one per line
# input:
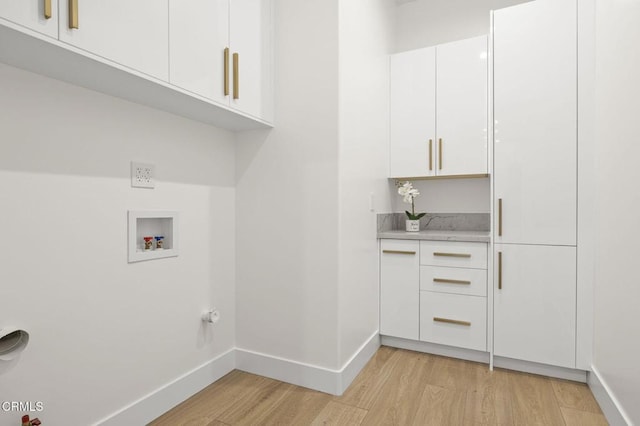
<point x="448" y="281"/>
<point x="499" y="217"/>
<point x="451" y="254"/>
<point x="499" y="270"/>
<point x="398" y="252"/>
<point x="47" y="9"/>
<point x="226" y="71"/>
<point x="452" y="321"/>
<point x="430" y="154"/>
<point x="440" y="154"/>
<point x="73" y="14"/>
<point x="236" y="76"/>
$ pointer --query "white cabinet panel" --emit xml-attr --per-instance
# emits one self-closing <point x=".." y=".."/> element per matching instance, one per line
<point x="454" y="320"/>
<point x="199" y="34"/>
<point x="454" y="280"/>
<point x="250" y="40"/>
<point x="461" y="107"/>
<point x="131" y="33"/>
<point x="535" y="308"/>
<point x="454" y="254"/>
<point x="535" y="106"/>
<point x="31" y="14"/>
<point x="412" y="113"/>
<point x="399" y="288"/>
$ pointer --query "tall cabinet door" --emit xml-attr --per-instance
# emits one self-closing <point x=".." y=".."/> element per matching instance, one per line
<point x="132" y="33"/>
<point x="250" y="40"/>
<point x="37" y="15"/>
<point x="412" y="113"/>
<point x="462" y="107"/>
<point x="400" y="288"/>
<point x="199" y="35"/>
<point x="535" y="303"/>
<point x="535" y="148"/>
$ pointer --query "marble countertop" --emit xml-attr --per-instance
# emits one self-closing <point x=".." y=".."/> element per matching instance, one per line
<point x="439" y="235"/>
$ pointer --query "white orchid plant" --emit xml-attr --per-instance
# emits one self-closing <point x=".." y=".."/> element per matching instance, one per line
<point x="409" y="193"/>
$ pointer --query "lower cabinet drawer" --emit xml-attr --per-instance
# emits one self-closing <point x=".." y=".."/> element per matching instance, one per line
<point x="454" y="320"/>
<point x="453" y="280"/>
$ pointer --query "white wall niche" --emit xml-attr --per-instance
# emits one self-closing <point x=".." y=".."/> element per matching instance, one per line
<point x="152" y="223"/>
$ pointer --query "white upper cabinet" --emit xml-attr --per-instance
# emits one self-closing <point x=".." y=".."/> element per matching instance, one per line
<point x="461" y="108"/>
<point x="199" y="35"/>
<point x="438" y="110"/>
<point x="535" y="148"/>
<point x="132" y="33"/>
<point x="37" y="15"/>
<point x="535" y="303"/>
<point x="222" y="50"/>
<point x="250" y="42"/>
<point x="412" y="113"/>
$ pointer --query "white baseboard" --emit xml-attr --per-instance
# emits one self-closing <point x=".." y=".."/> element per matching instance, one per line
<point x="158" y="402"/>
<point x="613" y="411"/>
<point x="309" y="376"/>
<point x="541" y="369"/>
<point x="432" y="348"/>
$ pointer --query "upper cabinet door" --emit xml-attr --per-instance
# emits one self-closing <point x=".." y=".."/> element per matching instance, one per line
<point x="535" y="107"/>
<point x="37" y="15"/>
<point x="462" y="107"/>
<point x="199" y="35"/>
<point x="132" y="33"/>
<point x="412" y="113"/>
<point x="250" y="40"/>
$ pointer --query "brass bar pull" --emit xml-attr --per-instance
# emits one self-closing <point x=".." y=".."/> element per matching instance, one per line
<point x="73" y="14"/>
<point x="47" y="9"/>
<point x="499" y="217"/>
<point x="226" y="71"/>
<point x="440" y="154"/>
<point x="236" y="76"/>
<point x="448" y="281"/>
<point x="430" y="154"/>
<point x="499" y="270"/>
<point x="451" y="321"/>
<point x="451" y="254"/>
<point x="398" y="252"/>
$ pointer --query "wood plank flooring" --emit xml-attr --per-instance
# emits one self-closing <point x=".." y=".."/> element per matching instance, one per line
<point x="397" y="387"/>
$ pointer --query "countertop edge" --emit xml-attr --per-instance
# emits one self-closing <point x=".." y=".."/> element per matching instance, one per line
<point x="466" y="236"/>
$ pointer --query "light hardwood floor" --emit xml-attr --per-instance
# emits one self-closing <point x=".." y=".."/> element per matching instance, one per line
<point x="397" y="387"/>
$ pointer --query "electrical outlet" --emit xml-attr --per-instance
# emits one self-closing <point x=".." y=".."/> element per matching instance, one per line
<point x="143" y="175"/>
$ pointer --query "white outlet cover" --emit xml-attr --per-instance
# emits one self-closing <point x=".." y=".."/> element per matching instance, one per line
<point x="143" y="175"/>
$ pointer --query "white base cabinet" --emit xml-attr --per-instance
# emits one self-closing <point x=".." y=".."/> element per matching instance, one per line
<point x="434" y="291"/>
<point x="37" y="15"/>
<point x="399" y="288"/>
<point x="535" y="303"/>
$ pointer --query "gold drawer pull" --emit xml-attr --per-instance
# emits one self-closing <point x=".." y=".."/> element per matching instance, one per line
<point x="450" y="321"/>
<point x="73" y="14"/>
<point x="430" y="154"/>
<point x="452" y="254"/>
<point x="47" y="9"/>
<point x="440" y="154"/>
<point x="236" y="76"/>
<point x="448" y="281"/>
<point x="499" y="270"/>
<point x="398" y="252"/>
<point x="499" y="217"/>
<point x="226" y="71"/>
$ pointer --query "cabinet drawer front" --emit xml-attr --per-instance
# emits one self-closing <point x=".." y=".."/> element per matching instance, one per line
<point x="454" y="320"/>
<point x="453" y="280"/>
<point x="456" y="254"/>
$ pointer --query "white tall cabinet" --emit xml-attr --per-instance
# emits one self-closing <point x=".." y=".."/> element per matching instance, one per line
<point x="438" y="110"/>
<point x="535" y="181"/>
<point x="131" y="33"/>
<point x="37" y="15"/>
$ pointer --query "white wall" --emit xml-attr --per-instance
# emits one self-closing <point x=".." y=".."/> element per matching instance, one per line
<point x="447" y="196"/>
<point x="104" y="332"/>
<point x="617" y="335"/>
<point x="429" y="22"/>
<point x="366" y="35"/>
<point x="287" y="198"/>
